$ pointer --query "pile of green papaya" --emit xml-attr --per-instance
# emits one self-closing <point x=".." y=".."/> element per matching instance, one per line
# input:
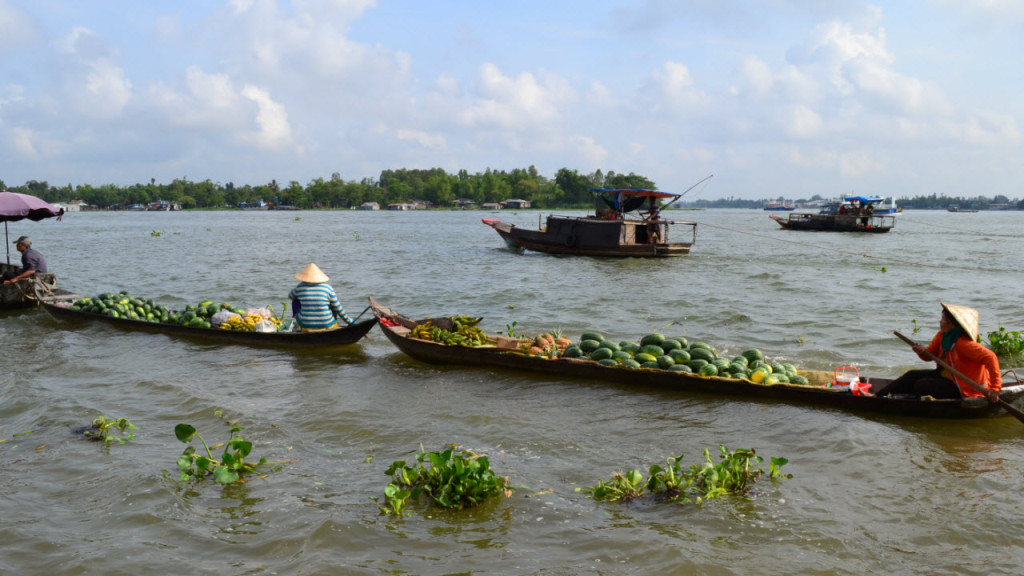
<point x="658" y="352"/>
<point x="124" y="305"/>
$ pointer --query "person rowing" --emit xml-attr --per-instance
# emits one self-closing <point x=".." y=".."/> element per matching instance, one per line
<point x="956" y="343"/>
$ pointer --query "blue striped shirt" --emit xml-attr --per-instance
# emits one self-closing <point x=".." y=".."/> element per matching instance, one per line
<point x="318" y="306"/>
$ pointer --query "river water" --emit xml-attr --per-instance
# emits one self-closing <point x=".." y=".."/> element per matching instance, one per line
<point x="870" y="494"/>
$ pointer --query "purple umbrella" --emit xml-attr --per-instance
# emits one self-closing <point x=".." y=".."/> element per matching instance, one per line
<point x="14" y="207"/>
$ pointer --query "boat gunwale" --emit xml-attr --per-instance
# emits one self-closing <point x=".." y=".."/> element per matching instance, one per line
<point x="490" y="357"/>
<point x="322" y="338"/>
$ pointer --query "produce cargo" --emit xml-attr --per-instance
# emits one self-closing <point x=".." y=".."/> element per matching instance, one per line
<point x="206" y="314"/>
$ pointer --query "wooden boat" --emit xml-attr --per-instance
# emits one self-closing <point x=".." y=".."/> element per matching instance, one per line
<point x="851" y="214"/>
<point x="617" y="228"/>
<point x="61" y="311"/>
<point x="22" y="294"/>
<point x="506" y="356"/>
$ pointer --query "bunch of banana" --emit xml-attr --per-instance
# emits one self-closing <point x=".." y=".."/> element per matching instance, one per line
<point x="246" y="323"/>
<point x="465" y="334"/>
<point x="422" y="331"/>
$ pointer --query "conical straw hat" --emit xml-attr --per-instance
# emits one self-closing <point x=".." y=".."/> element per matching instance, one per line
<point x="966" y="317"/>
<point x="312" y="274"/>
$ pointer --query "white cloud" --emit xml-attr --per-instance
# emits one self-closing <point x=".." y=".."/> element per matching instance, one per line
<point x="424" y="139"/>
<point x="21" y="139"/>
<point x="16" y="26"/>
<point x="804" y="123"/>
<point x="274" y="131"/>
<point x="518" y="103"/>
<point x="757" y="75"/>
<point x="591" y="154"/>
<point x="672" y="89"/>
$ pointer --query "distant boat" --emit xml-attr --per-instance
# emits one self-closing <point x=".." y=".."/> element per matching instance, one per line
<point x="779" y="206"/>
<point x="849" y="214"/>
<point x="887" y="206"/>
<point x="956" y="208"/>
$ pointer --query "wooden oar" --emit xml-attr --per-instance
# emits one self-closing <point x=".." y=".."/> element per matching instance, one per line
<point x="1013" y="410"/>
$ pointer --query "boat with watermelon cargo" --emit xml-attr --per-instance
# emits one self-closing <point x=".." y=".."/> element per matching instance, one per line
<point x="850" y="214"/>
<point x="681" y="366"/>
<point x="626" y="223"/>
<point x="136" y="314"/>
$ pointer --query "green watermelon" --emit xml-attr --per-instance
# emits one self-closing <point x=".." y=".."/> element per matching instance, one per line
<point x="709" y="370"/>
<point x="653" y="338"/>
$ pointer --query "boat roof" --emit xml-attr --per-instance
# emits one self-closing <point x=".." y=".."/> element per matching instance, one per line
<point x="641" y="192"/>
<point x="862" y="199"/>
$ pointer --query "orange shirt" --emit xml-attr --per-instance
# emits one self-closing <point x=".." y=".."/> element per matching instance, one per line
<point x="973" y="360"/>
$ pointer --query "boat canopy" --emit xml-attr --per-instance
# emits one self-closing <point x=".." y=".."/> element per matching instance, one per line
<point x="862" y="199"/>
<point x="635" y="192"/>
<point x="629" y="199"/>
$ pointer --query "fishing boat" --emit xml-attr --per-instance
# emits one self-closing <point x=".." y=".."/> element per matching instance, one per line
<point x="60" y="310"/>
<point x="779" y="207"/>
<point x="850" y="214"/>
<point x="504" y="354"/>
<point x="626" y="222"/>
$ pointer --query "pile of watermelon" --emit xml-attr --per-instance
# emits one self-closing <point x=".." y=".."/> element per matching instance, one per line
<point x="658" y="352"/>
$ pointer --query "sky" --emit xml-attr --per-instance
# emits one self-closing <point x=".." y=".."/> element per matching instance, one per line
<point x="775" y="98"/>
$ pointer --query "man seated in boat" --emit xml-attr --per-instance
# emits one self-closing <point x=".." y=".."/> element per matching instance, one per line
<point x="32" y="262"/>
<point x="314" y="301"/>
<point x="956" y="343"/>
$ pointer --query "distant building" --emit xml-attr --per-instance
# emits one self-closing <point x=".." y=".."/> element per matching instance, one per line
<point x="163" y="206"/>
<point x="516" y="203"/>
<point x="491" y="206"/>
<point x="399" y="206"/>
<point x="71" y="206"/>
<point x="369" y="206"/>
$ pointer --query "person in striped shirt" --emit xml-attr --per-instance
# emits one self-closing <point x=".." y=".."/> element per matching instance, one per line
<point x="316" y="304"/>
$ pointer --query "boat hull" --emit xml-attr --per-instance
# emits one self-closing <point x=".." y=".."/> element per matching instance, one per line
<point x="588" y="370"/>
<point x="593" y="237"/>
<point x="324" y="338"/>
<point x="875" y="224"/>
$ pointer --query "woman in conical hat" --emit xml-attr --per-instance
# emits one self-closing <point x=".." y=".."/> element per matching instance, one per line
<point x="314" y="302"/>
<point x="957" y="344"/>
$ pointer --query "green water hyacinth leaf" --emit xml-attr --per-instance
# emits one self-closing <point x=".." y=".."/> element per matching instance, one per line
<point x="184" y="432"/>
<point x="232" y="465"/>
<point x="704" y="481"/>
<point x="450" y="479"/>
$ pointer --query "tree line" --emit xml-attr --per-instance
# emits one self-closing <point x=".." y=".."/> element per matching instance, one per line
<point x="435" y="187"/>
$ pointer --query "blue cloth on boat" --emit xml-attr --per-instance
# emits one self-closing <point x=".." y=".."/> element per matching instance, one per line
<point x="318" y="306"/>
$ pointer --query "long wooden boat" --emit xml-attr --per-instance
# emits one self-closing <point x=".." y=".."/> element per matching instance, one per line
<point x="61" y="311"/>
<point x="851" y="214"/>
<point x="397" y="328"/>
<point x="619" y="227"/>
